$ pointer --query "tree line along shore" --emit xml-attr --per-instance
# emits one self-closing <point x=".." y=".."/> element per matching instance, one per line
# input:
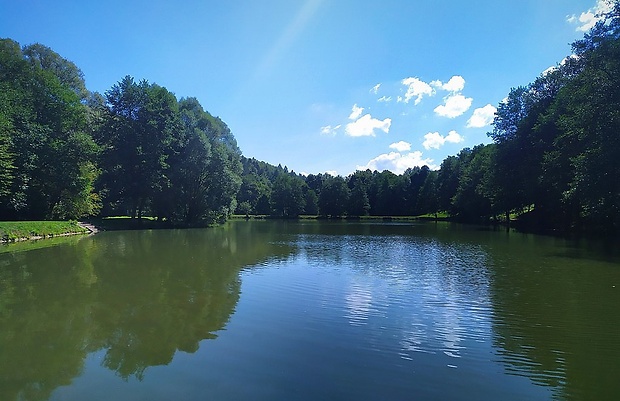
<point x="67" y="153"/>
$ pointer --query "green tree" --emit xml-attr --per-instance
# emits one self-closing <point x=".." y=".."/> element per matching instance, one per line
<point x="428" y="201"/>
<point x="141" y="124"/>
<point x="69" y="75"/>
<point x="204" y="174"/>
<point x="334" y="197"/>
<point x="472" y="201"/>
<point x="45" y="140"/>
<point x="311" y="203"/>
<point x="588" y="145"/>
<point x="359" y="205"/>
<point x="287" y="197"/>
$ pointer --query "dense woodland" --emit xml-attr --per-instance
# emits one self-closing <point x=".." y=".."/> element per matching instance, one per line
<point x="66" y="153"/>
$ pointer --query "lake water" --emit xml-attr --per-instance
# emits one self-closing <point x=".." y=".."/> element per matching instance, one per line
<point x="264" y="310"/>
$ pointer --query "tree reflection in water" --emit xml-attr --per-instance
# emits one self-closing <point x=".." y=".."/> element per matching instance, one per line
<point x="140" y="296"/>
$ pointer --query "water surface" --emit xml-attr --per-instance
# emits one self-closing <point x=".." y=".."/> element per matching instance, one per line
<point x="273" y="310"/>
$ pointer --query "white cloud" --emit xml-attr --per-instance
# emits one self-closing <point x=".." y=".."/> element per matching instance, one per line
<point x="397" y="162"/>
<point x="455" y="84"/>
<point x="356" y="112"/>
<point x="549" y="70"/>
<point x="416" y="88"/>
<point x="482" y="117"/>
<point x="385" y="99"/>
<point x="589" y="18"/>
<point x="454" y="137"/>
<point x="434" y="140"/>
<point x="562" y="63"/>
<point x="329" y="130"/>
<point x="366" y="126"/>
<point x="454" y="106"/>
<point x="375" y="89"/>
<point x="401" y="146"/>
<point x="333" y="173"/>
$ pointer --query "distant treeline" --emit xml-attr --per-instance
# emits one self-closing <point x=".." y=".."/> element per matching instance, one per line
<point x="554" y="163"/>
<point x="66" y="153"/>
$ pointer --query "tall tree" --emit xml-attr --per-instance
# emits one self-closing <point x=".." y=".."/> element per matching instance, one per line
<point x="288" y="197"/>
<point x="42" y="57"/>
<point x="334" y="197"/>
<point x="140" y="127"/>
<point x="51" y="150"/>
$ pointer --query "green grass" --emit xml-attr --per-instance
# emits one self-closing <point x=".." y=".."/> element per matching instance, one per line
<point x="16" y="230"/>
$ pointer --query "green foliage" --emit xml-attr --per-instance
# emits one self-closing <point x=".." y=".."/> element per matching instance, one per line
<point x="287" y="197"/>
<point x="67" y="153"/>
<point x="44" y="147"/>
<point x="68" y="74"/>
<point x="334" y="197"/>
<point x="204" y="169"/>
<point x="557" y="139"/>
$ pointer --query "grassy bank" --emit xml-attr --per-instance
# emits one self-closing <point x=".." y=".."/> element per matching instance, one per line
<point x="20" y="230"/>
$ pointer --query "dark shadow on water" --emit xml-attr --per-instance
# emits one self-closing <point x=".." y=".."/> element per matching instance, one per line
<point x="140" y="296"/>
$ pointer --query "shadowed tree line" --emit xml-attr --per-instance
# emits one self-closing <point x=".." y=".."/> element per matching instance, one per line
<point x="65" y="153"/>
<point x="554" y="162"/>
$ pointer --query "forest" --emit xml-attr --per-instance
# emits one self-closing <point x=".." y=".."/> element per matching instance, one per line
<point x="137" y="150"/>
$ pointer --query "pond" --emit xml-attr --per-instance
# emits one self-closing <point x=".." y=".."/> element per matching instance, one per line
<point x="266" y="310"/>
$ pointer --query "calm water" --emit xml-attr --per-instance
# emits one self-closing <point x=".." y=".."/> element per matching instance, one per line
<point x="310" y="311"/>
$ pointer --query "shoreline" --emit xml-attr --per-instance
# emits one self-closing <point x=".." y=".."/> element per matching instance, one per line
<point x="21" y="231"/>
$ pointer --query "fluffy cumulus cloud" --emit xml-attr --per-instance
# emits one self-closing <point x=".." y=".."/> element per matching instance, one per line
<point x="366" y="126"/>
<point x="417" y="89"/>
<point x="397" y="162"/>
<point x="454" y="106"/>
<point x="375" y="89"/>
<point x="588" y="19"/>
<point x="401" y="146"/>
<point x="434" y="140"/>
<point x="482" y="117"/>
<point x="385" y="99"/>
<point x="455" y="84"/>
<point x="356" y="112"/>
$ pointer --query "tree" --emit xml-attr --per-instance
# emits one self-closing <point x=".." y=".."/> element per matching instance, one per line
<point x="69" y="75"/>
<point x="287" y="197"/>
<point x="6" y="159"/>
<point x="416" y="177"/>
<point x="472" y="201"/>
<point x="359" y="205"/>
<point x="447" y="182"/>
<point x="311" y="203"/>
<point x="48" y="151"/>
<point x="428" y="201"/>
<point x="204" y="173"/>
<point x="334" y="197"/>
<point x="141" y="123"/>
<point x="588" y="145"/>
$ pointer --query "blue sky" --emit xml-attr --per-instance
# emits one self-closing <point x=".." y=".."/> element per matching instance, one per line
<point x="319" y="85"/>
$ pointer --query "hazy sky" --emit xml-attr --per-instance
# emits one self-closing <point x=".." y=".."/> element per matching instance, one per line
<point x="319" y="85"/>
